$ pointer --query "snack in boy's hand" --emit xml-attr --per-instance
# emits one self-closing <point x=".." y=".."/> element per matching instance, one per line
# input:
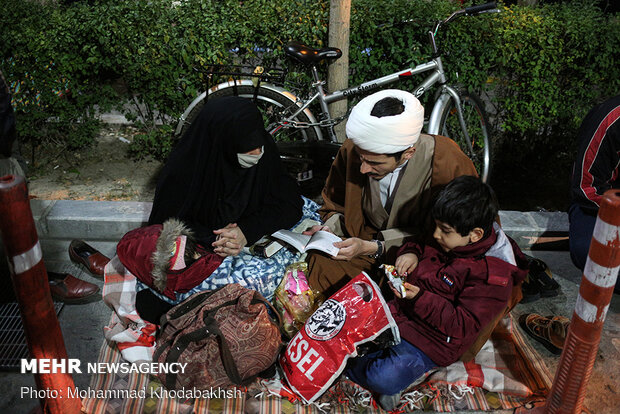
<point x="392" y="275"/>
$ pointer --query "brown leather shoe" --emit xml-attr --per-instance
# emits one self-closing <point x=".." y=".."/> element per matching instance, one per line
<point x="69" y="289"/>
<point x="550" y="331"/>
<point x="80" y="252"/>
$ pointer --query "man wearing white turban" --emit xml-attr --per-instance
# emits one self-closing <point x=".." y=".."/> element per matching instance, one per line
<point x="381" y="185"/>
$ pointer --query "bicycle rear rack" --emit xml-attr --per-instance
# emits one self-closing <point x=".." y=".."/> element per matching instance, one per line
<point x="215" y="74"/>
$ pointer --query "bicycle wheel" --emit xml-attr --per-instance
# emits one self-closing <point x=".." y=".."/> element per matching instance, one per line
<point x="274" y="107"/>
<point x="476" y="122"/>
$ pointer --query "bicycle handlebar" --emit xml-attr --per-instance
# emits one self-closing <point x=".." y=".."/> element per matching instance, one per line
<point x="468" y="11"/>
<point x="480" y="8"/>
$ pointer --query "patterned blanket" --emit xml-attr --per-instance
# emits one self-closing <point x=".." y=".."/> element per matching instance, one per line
<point x="507" y="373"/>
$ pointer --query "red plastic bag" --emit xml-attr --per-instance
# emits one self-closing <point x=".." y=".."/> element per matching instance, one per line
<point x="316" y="356"/>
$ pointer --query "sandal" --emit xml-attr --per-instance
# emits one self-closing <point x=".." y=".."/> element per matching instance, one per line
<point x="551" y="331"/>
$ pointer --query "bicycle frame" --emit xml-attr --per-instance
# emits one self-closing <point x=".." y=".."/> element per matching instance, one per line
<point x="437" y="75"/>
<point x="443" y="97"/>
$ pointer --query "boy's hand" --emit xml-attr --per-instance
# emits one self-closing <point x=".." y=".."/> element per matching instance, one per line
<point x="411" y="291"/>
<point x="406" y="263"/>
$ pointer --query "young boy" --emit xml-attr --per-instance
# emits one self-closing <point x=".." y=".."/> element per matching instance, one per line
<point x="453" y="289"/>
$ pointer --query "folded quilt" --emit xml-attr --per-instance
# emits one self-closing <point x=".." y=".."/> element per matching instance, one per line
<point x="134" y="336"/>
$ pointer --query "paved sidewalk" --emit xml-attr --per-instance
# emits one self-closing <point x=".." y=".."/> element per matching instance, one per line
<point x="101" y="224"/>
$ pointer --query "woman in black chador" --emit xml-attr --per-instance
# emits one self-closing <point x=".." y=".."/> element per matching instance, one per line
<point x="225" y="179"/>
<point x="225" y="188"/>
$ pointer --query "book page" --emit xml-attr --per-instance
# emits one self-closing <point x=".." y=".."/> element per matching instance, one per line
<point x="324" y="241"/>
<point x="296" y="240"/>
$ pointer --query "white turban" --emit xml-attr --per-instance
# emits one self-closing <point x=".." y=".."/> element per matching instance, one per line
<point x="388" y="134"/>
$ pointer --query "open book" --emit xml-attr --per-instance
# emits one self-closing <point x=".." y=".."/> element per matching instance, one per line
<point x="321" y="240"/>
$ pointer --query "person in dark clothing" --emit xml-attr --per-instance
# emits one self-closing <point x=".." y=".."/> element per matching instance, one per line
<point x="225" y="180"/>
<point x="596" y="170"/>
<point x="453" y="289"/>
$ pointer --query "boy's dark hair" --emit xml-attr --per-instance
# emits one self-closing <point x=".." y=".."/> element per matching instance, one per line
<point x="389" y="107"/>
<point x="467" y="203"/>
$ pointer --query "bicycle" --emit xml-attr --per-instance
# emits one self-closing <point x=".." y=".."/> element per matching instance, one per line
<point x="301" y="137"/>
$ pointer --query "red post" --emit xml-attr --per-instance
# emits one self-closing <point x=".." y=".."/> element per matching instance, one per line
<point x="30" y="282"/>
<point x="584" y="334"/>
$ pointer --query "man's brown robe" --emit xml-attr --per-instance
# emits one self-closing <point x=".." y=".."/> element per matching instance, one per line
<point x="352" y="208"/>
<point x="352" y="205"/>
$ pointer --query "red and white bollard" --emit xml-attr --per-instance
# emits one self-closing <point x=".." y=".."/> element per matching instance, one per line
<point x="595" y="292"/>
<point x="31" y="285"/>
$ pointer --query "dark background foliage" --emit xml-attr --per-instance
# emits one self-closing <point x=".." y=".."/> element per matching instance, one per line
<point x="539" y="68"/>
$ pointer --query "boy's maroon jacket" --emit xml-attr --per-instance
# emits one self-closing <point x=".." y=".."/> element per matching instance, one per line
<point x="461" y="291"/>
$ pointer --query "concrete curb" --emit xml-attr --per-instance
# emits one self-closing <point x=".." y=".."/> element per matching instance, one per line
<point x="99" y="223"/>
<point x="103" y="223"/>
<point x="537" y="230"/>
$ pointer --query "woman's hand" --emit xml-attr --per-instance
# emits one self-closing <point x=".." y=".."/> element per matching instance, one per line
<point x="406" y="263"/>
<point x="411" y="291"/>
<point x="230" y="240"/>
<point x="353" y="247"/>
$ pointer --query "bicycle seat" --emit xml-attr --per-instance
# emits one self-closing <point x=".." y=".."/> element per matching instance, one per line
<point x="308" y="55"/>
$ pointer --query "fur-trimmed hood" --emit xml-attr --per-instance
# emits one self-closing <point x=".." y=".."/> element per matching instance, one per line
<point x="175" y="242"/>
<point x="157" y="254"/>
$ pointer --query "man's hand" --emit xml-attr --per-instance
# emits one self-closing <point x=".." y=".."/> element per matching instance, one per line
<point x="316" y="228"/>
<point x="411" y="291"/>
<point x="353" y="247"/>
<point x="405" y="263"/>
<point x="230" y="240"/>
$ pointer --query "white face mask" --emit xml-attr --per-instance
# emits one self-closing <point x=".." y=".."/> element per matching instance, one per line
<point x="249" y="160"/>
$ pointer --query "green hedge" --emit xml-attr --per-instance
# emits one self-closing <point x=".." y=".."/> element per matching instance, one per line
<point x="541" y="67"/>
